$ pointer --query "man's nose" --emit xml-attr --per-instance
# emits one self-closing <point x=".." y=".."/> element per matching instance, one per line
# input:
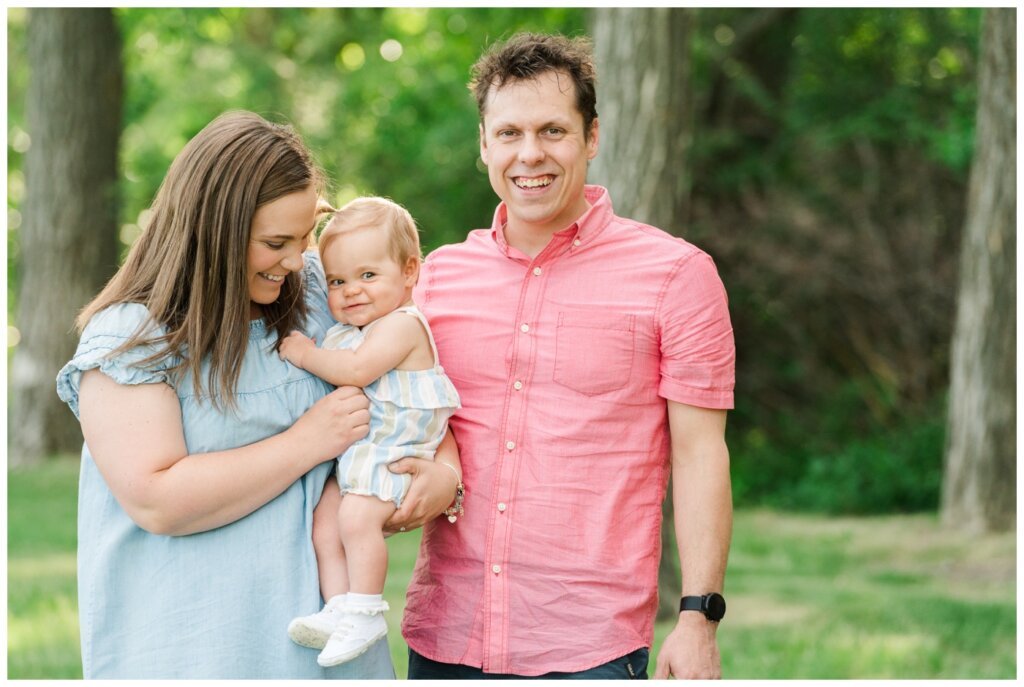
<point x="531" y="150"/>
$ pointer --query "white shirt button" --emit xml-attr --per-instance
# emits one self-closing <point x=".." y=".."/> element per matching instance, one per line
<point x="524" y="328"/>
<point x="502" y="507"/>
<point x="510" y="445"/>
<point x="536" y="271"/>
<point x="496" y="569"/>
<point x="518" y="385"/>
<point x="576" y="242"/>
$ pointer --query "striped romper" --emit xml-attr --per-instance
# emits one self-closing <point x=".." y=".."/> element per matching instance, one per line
<point x="409" y="411"/>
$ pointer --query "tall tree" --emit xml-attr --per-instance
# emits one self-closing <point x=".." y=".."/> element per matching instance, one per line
<point x="979" y="491"/>
<point x="646" y="129"/>
<point x="646" y="112"/>
<point x="68" y="239"/>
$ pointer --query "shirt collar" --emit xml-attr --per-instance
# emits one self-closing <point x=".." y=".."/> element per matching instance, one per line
<point x="583" y="230"/>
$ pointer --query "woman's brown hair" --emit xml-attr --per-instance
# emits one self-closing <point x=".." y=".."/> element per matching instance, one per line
<point x="189" y="267"/>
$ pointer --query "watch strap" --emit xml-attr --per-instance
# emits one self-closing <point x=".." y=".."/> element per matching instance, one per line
<point x="691" y="603"/>
<point x="711" y="605"/>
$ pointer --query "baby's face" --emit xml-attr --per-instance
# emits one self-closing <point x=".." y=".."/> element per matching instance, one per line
<point x="364" y="283"/>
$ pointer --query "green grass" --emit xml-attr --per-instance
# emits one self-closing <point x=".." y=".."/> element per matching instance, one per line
<point x="809" y="597"/>
<point x="42" y="599"/>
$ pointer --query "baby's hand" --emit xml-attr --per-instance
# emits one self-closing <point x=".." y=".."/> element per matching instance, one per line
<point x="294" y="347"/>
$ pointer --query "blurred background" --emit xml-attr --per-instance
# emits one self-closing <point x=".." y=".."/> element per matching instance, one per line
<point x="852" y="173"/>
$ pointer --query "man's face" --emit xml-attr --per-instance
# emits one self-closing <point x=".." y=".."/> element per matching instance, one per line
<point x="532" y="141"/>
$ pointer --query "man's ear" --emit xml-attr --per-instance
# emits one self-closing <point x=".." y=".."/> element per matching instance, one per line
<point x="592" y="140"/>
<point x="483" y="144"/>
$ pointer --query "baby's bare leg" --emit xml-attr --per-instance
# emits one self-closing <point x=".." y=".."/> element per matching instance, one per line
<point x="330" y="555"/>
<point x="361" y="520"/>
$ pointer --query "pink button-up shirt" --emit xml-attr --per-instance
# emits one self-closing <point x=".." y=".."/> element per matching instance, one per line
<point x="564" y="363"/>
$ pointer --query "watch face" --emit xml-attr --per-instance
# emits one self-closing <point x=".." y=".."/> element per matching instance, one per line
<point x="715" y="607"/>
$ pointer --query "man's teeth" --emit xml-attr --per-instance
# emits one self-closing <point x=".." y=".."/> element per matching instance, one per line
<point x="533" y="183"/>
<point x="272" y="277"/>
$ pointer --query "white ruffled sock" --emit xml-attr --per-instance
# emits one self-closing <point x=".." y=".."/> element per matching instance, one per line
<point x="363" y="607"/>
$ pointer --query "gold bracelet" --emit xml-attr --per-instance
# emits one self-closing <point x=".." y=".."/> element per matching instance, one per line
<point x="455" y="510"/>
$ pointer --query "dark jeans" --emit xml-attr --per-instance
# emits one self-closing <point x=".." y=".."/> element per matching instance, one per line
<point x="632" y="666"/>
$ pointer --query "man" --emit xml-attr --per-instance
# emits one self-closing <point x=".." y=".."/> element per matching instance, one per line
<point x="591" y="353"/>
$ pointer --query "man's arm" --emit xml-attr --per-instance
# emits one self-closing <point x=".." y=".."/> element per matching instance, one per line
<point x="702" y="497"/>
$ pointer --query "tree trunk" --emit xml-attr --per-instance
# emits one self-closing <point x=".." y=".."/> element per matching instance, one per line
<point x="979" y="490"/>
<point x="646" y="129"/>
<point x="68" y="239"/>
<point x="645" y="112"/>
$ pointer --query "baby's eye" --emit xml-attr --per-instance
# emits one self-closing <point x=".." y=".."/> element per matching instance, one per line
<point x="335" y="283"/>
<point x="368" y="275"/>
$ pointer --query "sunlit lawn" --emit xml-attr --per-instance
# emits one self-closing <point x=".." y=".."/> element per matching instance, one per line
<point x="809" y="597"/>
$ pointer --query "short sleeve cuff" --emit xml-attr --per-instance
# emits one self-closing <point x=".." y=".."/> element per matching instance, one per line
<point x="713" y="398"/>
<point x="316" y="294"/>
<point x="105" y="333"/>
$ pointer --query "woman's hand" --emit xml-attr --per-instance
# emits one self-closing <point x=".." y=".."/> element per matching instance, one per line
<point x="334" y="423"/>
<point x="432" y="490"/>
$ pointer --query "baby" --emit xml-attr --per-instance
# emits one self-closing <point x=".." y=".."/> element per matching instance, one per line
<point x="371" y="255"/>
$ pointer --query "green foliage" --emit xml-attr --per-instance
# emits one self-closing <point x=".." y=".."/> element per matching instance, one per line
<point x="898" y="69"/>
<point x="828" y="77"/>
<point x="893" y="471"/>
<point x="809" y="597"/>
<point x="17" y="143"/>
<point x="829" y="462"/>
<point x="378" y="93"/>
<point x="406" y="129"/>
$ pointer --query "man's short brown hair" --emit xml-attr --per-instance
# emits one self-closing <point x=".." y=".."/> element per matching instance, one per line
<point x="527" y="56"/>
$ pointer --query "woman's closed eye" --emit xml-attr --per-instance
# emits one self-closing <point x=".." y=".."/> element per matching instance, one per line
<point x="278" y="245"/>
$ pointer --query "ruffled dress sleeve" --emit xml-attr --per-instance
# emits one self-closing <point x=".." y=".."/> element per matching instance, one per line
<point x="318" y="313"/>
<point x="107" y="331"/>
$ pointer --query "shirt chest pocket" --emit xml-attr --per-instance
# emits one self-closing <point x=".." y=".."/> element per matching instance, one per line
<point x="594" y="351"/>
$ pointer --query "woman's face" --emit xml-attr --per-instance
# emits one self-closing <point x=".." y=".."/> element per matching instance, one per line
<point x="278" y="236"/>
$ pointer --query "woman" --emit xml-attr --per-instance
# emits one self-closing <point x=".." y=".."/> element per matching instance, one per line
<point x="204" y="452"/>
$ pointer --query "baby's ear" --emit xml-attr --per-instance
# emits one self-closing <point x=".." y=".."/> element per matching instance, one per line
<point x="412" y="267"/>
<point x="323" y="208"/>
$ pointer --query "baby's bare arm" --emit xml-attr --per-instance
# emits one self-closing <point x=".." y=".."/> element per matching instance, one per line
<point x="391" y="340"/>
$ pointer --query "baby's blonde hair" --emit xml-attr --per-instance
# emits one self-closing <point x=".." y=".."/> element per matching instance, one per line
<point x="382" y="214"/>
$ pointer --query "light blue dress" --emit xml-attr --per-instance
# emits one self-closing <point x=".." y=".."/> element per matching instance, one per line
<point x="214" y="604"/>
<point x="409" y="412"/>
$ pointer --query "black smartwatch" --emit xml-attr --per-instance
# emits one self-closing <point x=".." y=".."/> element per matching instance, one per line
<point x="711" y="605"/>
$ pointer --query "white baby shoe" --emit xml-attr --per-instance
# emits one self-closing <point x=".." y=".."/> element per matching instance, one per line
<point x="313" y="630"/>
<point x="357" y="632"/>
